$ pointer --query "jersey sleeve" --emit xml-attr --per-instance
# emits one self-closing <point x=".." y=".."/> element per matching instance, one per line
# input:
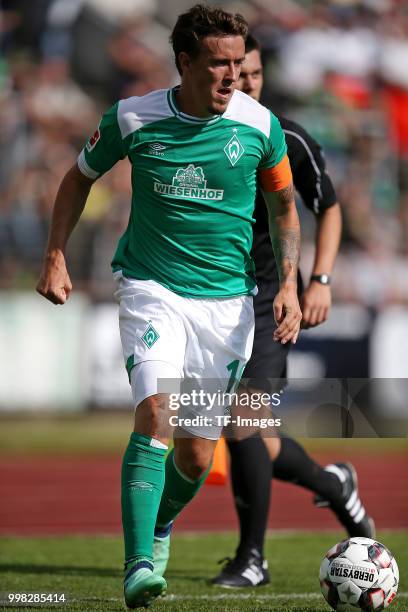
<point x="310" y="175"/>
<point x="104" y="148"/>
<point x="276" y="148"/>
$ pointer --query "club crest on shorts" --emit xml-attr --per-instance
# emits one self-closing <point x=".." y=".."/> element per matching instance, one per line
<point x="150" y="336"/>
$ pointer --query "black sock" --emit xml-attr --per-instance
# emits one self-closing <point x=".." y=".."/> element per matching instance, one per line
<point x="293" y="464"/>
<point x="251" y="485"/>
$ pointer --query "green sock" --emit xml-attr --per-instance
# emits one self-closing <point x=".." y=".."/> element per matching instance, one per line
<point x="142" y="487"/>
<point x="178" y="491"/>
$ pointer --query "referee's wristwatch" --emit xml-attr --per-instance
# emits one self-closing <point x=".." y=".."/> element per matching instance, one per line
<point x="323" y="279"/>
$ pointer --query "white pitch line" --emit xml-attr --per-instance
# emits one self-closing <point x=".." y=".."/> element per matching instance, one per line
<point x="228" y="596"/>
<point x="245" y="596"/>
<point x="252" y="596"/>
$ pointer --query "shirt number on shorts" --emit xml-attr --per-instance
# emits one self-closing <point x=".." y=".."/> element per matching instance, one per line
<point x="234" y="378"/>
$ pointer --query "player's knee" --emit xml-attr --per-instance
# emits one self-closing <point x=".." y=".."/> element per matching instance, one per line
<point x="193" y="461"/>
<point x="196" y="470"/>
<point x="151" y="416"/>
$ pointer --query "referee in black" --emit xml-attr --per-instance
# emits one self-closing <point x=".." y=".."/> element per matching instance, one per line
<point x="254" y="460"/>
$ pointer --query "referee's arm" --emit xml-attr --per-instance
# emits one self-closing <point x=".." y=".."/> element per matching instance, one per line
<point x="318" y="194"/>
<point x="316" y="299"/>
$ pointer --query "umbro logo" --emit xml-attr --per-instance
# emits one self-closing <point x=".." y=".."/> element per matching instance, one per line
<point x="141" y="484"/>
<point x="155" y="148"/>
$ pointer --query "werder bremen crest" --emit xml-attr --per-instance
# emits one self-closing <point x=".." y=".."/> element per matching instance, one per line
<point x="150" y="336"/>
<point x="189" y="183"/>
<point x="234" y="149"/>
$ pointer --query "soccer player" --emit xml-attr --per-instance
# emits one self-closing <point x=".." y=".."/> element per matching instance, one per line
<point x="183" y="269"/>
<point x="251" y="468"/>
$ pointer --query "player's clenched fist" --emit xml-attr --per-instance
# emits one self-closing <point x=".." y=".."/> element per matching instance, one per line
<point x="54" y="283"/>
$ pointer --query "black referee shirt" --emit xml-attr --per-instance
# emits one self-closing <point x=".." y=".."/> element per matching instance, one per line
<point x="317" y="192"/>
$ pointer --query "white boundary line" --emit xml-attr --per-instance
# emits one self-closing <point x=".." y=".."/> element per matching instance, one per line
<point x="228" y="596"/>
<point x="253" y="596"/>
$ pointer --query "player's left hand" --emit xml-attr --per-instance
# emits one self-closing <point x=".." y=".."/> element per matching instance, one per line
<point x="287" y="315"/>
<point x="315" y="304"/>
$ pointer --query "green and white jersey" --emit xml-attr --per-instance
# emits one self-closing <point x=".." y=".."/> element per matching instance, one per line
<point x="194" y="185"/>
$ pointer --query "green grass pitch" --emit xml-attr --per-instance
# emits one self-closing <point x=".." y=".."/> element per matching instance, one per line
<point x="88" y="570"/>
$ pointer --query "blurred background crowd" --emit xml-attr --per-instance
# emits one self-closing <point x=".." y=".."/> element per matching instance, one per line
<point x="339" y="67"/>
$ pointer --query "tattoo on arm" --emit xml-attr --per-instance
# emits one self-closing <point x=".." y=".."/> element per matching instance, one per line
<point x="285" y="196"/>
<point x="288" y="242"/>
<point x="285" y="234"/>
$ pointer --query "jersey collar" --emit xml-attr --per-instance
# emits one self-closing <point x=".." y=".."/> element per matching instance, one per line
<point x="171" y="99"/>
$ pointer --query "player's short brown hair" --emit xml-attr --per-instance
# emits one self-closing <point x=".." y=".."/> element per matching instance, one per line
<point x="201" y="21"/>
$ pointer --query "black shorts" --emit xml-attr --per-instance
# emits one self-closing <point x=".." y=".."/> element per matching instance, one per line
<point x="266" y="369"/>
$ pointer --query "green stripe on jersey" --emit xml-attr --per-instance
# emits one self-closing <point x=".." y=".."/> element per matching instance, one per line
<point x="194" y="186"/>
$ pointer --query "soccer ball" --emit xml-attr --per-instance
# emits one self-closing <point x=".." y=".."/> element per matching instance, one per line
<point x="359" y="573"/>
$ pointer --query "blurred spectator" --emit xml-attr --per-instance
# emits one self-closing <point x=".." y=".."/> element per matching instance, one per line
<point x="394" y="74"/>
<point x="56" y="39"/>
<point x="138" y="69"/>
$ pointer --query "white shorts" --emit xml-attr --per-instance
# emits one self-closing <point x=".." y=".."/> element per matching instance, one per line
<point x="167" y="339"/>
